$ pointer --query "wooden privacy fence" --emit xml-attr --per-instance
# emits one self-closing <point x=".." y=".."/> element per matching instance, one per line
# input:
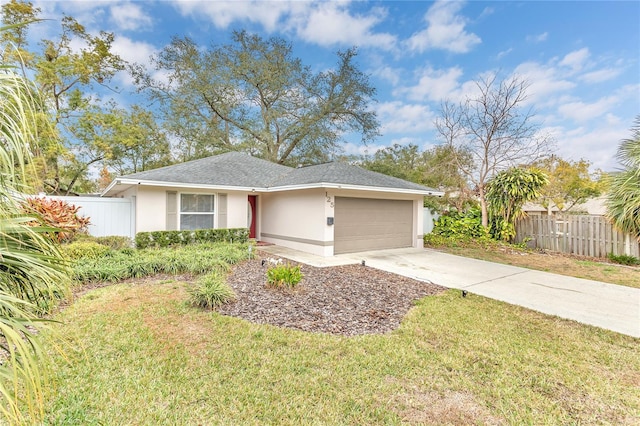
<point x="586" y="235"/>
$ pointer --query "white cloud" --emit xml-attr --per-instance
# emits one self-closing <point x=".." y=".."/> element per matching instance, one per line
<point x="504" y="53"/>
<point x="445" y="30"/>
<point x="134" y="52"/>
<point x="129" y="16"/>
<point x="392" y="75"/>
<point x="351" y="148"/>
<point x="434" y="85"/>
<point x="538" y="38"/>
<point x="546" y="84"/>
<point x="331" y="23"/>
<point x="576" y="60"/>
<point x="598" y="145"/>
<point x="584" y="112"/>
<point x="322" y="23"/>
<point x="224" y="13"/>
<point x="601" y="75"/>
<point x="397" y="117"/>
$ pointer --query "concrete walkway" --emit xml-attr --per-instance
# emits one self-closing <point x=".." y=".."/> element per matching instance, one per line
<point x="608" y="306"/>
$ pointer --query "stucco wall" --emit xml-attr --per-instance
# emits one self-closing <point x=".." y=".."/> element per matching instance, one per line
<point x="297" y="219"/>
<point x="237" y="206"/>
<point x="151" y="207"/>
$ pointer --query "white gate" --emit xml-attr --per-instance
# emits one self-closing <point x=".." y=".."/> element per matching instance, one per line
<point x="427" y="220"/>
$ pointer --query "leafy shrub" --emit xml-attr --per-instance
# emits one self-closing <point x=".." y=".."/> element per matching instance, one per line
<point x="164" y="239"/>
<point x="84" y="249"/>
<point x="211" y="291"/>
<point x="624" y="259"/>
<point x="59" y="215"/>
<point x="114" y="242"/>
<point x="283" y="276"/>
<point x="454" y="223"/>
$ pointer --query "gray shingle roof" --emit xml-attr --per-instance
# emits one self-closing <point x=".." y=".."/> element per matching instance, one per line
<point x="243" y="170"/>
<point x="229" y="169"/>
<point x="344" y="174"/>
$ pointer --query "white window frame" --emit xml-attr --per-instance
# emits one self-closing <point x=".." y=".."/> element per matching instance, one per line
<point x="213" y="213"/>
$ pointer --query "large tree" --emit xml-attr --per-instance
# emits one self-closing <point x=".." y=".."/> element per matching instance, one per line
<point x="125" y="141"/>
<point x="570" y="182"/>
<point x="254" y="95"/>
<point x="435" y="167"/>
<point x="623" y="200"/>
<point x="67" y="70"/>
<point x="495" y="128"/>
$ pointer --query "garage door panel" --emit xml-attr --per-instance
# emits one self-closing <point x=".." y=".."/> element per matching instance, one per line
<point x="371" y="224"/>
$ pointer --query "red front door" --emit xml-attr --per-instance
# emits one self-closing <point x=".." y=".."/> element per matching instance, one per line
<point x="252" y="216"/>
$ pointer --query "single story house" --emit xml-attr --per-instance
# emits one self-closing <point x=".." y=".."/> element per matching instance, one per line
<point x="324" y="209"/>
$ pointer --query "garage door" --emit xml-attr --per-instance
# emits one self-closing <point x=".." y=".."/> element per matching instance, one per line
<point x="370" y="224"/>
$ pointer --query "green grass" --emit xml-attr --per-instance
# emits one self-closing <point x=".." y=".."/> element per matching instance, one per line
<point x="557" y="263"/>
<point x="146" y="357"/>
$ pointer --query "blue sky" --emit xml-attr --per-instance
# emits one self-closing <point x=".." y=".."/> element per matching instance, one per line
<point x="581" y="58"/>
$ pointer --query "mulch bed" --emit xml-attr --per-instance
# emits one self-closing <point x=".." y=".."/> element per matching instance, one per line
<point x="346" y="300"/>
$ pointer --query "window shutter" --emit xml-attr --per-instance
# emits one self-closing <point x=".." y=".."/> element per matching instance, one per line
<point x="222" y="210"/>
<point x="172" y="211"/>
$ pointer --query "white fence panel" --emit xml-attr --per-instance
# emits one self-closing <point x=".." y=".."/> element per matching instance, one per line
<point x="427" y="220"/>
<point x="108" y="216"/>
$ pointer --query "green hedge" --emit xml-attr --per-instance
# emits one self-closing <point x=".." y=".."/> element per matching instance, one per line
<point x="173" y="238"/>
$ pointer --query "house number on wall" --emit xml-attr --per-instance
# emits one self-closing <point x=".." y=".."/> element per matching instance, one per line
<point x="329" y="199"/>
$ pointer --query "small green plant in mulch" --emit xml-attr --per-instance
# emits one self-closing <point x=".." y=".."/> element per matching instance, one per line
<point x="624" y="259"/>
<point x="211" y="291"/>
<point x="284" y="276"/>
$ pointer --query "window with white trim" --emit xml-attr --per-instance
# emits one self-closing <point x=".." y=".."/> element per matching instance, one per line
<point x="196" y="211"/>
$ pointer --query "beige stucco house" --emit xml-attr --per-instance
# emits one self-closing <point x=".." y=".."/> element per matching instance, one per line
<point x="324" y="209"/>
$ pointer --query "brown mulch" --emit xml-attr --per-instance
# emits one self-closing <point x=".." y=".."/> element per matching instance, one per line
<point x="347" y="300"/>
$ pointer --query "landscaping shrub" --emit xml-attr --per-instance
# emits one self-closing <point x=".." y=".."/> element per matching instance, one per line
<point x="211" y="291"/>
<point x="84" y="249"/>
<point x="59" y="215"/>
<point x="116" y="265"/>
<point x="174" y="238"/>
<point x="280" y="276"/>
<point x="624" y="259"/>
<point x="454" y="223"/>
<point x="114" y="242"/>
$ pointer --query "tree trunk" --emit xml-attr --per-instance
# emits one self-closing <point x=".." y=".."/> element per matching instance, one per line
<point x="484" y="209"/>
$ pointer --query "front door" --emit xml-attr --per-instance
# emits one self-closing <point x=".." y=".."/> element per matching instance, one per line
<point x="252" y="216"/>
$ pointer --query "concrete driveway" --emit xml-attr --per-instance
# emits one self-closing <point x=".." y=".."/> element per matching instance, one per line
<point x="608" y="306"/>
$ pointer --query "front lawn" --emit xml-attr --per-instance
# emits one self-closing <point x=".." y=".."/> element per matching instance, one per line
<point x="142" y="355"/>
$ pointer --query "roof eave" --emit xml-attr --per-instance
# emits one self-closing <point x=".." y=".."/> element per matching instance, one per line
<point x="329" y="185"/>
<point x="127" y="183"/>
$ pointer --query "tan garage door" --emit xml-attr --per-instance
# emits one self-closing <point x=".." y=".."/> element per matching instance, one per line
<point x="370" y="224"/>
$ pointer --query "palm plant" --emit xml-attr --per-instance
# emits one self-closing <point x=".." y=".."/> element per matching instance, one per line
<point x="31" y="269"/>
<point x="623" y="201"/>
<point x="506" y="194"/>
